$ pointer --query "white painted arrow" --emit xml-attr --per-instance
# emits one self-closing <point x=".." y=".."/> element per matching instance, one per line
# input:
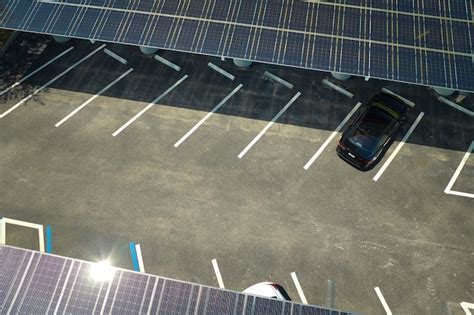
<point x="467" y="307"/>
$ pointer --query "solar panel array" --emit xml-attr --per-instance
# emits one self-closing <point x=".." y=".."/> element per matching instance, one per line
<point x="37" y="283"/>
<point x="427" y="42"/>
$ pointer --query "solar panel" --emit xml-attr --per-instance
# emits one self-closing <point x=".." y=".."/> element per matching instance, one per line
<point x="423" y="42"/>
<point x="38" y="283"/>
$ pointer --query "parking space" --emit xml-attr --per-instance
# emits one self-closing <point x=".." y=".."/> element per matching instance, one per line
<point x="196" y="166"/>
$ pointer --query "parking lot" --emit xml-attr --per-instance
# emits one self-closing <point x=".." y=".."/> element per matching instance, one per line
<point x="186" y="164"/>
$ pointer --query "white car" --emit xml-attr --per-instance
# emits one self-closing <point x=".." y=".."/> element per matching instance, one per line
<point x="269" y="290"/>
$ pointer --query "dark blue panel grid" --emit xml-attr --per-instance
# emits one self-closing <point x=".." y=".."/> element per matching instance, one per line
<point x="157" y="31"/>
<point x="248" y="11"/>
<point x="186" y="35"/>
<point x="461" y="39"/>
<point x="460" y="9"/>
<point x="136" y="29"/>
<point x="326" y="17"/>
<point x="129" y="294"/>
<point x="13" y="13"/>
<point x="407" y="65"/>
<point x="320" y="57"/>
<point x="86" y="28"/>
<point x="379" y="26"/>
<point x="378" y="61"/>
<point x="238" y="45"/>
<point x="36" y="21"/>
<point x="433" y="34"/>
<point x="465" y="68"/>
<point x="351" y="51"/>
<point x="211" y="42"/>
<point x="293" y="52"/>
<point x="352" y="23"/>
<point x="63" y="20"/>
<point x="111" y="26"/>
<point x="221" y="10"/>
<point x="436" y="74"/>
<point x="406" y="32"/>
<point x="266" y="45"/>
<point x="12" y="266"/>
<point x="175" y="297"/>
<point x="430" y="7"/>
<point x="299" y="15"/>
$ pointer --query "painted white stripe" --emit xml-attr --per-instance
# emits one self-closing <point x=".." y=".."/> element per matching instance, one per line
<point x="298" y="288"/>
<point x="277" y="79"/>
<point x="456" y="106"/>
<point x="448" y="190"/>
<point x="460" y="193"/>
<point x="382" y="300"/>
<point x="215" y="109"/>
<point x="337" y="88"/>
<point x="20" y="284"/>
<point x="35" y="71"/>
<point x="3" y="232"/>
<point x="218" y="274"/>
<point x="168" y="63"/>
<point x="335" y="132"/>
<point x="50" y="82"/>
<point x="92" y="98"/>
<point x="221" y="71"/>
<point x="115" y="56"/>
<point x="398" y="148"/>
<point x="63" y="288"/>
<point x="38" y="227"/>
<point x="467" y="307"/>
<point x="275" y="118"/>
<point x="141" y="266"/>
<point x="406" y="101"/>
<point x="128" y="123"/>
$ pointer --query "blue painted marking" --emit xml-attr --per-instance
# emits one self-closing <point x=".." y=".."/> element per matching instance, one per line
<point x="48" y="238"/>
<point x="133" y="253"/>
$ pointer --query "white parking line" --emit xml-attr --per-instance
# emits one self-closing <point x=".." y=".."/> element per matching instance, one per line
<point x="50" y="82"/>
<point x="335" y="132"/>
<point x="382" y="300"/>
<point x="298" y="288"/>
<point x="275" y="118"/>
<point x="448" y="190"/>
<point x="218" y="274"/>
<point x="138" y="250"/>
<point x="93" y="98"/>
<point x="35" y="71"/>
<point x="216" y="108"/>
<point x="399" y="146"/>
<point x="467" y="307"/>
<point x="149" y="106"/>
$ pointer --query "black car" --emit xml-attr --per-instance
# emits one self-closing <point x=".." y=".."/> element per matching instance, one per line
<point x="372" y="131"/>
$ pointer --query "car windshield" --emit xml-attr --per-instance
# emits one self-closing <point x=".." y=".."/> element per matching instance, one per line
<point x="371" y="131"/>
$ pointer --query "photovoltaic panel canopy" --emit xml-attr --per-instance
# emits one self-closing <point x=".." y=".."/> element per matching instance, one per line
<point x="37" y="283"/>
<point x="427" y="42"/>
